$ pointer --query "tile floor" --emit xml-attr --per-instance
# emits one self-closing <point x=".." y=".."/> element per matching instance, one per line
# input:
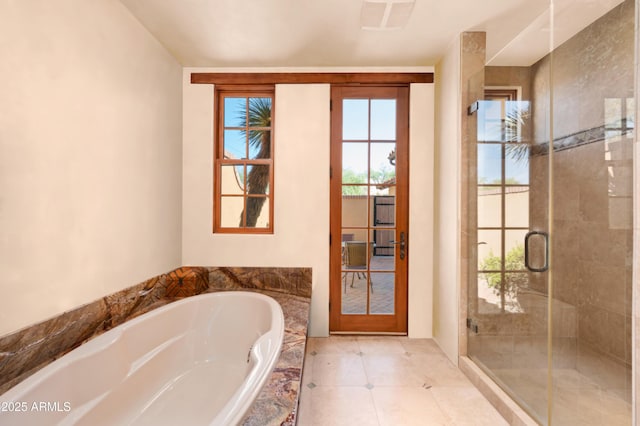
<point x="367" y="380"/>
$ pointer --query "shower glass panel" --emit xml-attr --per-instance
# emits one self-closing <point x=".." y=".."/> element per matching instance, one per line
<point x="550" y="201"/>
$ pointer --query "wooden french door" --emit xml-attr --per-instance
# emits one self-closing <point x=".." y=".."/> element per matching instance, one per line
<point x="369" y="209"/>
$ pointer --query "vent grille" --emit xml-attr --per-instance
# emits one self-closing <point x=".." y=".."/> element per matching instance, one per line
<point x="385" y="14"/>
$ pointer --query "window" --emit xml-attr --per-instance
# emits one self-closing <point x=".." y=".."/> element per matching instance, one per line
<point x="243" y="176"/>
<point x="502" y="200"/>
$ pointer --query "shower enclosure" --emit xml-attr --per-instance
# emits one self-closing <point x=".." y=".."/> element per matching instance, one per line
<point x="549" y="196"/>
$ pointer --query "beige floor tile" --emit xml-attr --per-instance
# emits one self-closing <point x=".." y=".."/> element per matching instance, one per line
<point x="341" y="405"/>
<point x="466" y="406"/>
<point x="436" y="370"/>
<point x="304" y="415"/>
<point x="307" y="370"/>
<point x="369" y="380"/>
<point x="380" y="345"/>
<point x="423" y="346"/>
<point x="333" y="345"/>
<point x="407" y="406"/>
<point x="391" y="370"/>
<point x="338" y="370"/>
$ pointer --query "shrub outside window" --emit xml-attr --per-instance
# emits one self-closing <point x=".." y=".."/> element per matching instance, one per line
<point x="243" y="177"/>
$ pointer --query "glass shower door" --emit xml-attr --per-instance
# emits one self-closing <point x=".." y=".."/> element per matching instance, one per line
<point x="550" y="229"/>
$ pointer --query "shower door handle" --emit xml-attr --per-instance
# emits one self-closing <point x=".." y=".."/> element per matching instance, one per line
<point x="527" y="240"/>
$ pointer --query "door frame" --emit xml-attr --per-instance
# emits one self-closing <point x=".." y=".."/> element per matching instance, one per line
<point x="369" y="323"/>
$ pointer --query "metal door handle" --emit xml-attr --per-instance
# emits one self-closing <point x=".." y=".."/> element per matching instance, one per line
<point x="403" y="245"/>
<point x="527" y="264"/>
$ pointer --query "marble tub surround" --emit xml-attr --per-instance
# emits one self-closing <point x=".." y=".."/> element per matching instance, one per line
<point x="186" y="281"/>
<point x="26" y="351"/>
<point x="277" y="403"/>
<point x="295" y="281"/>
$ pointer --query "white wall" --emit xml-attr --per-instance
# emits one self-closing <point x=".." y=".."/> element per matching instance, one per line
<point x="301" y="235"/>
<point x="421" y="214"/>
<point x="446" y="286"/>
<point x="90" y="156"/>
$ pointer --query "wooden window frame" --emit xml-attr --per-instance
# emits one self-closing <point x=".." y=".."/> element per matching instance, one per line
<point x="222" y="92"/>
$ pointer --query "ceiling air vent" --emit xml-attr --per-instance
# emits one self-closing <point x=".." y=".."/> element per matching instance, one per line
<point x="385" y="14"/>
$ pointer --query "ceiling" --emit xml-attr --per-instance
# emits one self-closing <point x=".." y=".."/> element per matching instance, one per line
<point x="328" y="33"/>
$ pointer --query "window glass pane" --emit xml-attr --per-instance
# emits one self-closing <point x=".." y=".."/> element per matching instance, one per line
<point x="489" y="285"/>
<point x="259" y="144"/>
<point x="258" y="179"/>
<point x="490" y="124"/>
<point x="517" y="206"/>
<point x="382" y="293"/>
<point x="516" y="164"/>
<point x="257" y="213"/>
<point x="489" y="163"/>
<point x="513" y="283"/>
<point x="489" y="206"/>
<point x="235" y="144"/>
<point x="382" y="170"/>
<point x="355" y="119"/>
<point x="232" y="180"/>
<point x="234" y="112"/>
<point x="231" y="211"/>
<point x="354" y="162"/>
<point x="489" y="250"/>
<point x="383" y="119"/>
<point x="514" y="249"/>
<point x="260" y="122"/>
<point x="259" y="112"/>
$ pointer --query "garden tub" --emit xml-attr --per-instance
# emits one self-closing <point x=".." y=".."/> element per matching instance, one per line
<point x="199" y="361"/>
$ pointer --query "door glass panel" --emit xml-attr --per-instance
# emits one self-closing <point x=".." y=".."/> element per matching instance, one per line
<point x="382" y="293"/>
<point x="383" y="170"/>
<point x="383" y="119"/>
<point x="383" y="257"/>
<point x="355" y="119"/>
<point x="355" y="163"/>
<point x="355" y="276"/>
<point x="383" y="210"/>
<point x="354" y="206"/>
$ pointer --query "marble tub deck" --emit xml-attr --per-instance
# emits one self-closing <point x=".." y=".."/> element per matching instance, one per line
<point x="26" y="351"/>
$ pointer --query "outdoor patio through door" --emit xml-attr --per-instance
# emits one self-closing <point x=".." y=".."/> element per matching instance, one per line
<point x="369" y="209"/>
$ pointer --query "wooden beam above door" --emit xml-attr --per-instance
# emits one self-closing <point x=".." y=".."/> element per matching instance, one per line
<point x="387" y="78"/>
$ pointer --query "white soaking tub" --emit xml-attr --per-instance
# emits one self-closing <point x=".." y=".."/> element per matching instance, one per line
<point x="199" y="361"/>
